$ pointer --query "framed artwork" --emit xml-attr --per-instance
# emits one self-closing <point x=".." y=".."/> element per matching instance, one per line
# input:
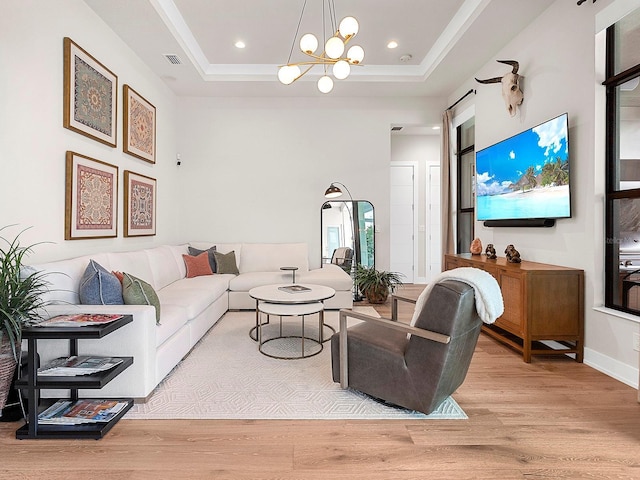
<point x="139" y="126"/>
<point x="90" y="95"/>
<point x="139" y="205"/>
<point x="91" y="194"/>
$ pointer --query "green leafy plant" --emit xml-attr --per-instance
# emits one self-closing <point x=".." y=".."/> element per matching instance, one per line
<point x="376" y="284"/>
<point x="21" y="291"/>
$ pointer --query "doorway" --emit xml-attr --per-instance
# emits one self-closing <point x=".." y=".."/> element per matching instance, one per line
<point x="403" y="219"/>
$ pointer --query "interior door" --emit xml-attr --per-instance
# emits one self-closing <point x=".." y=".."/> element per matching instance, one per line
<point x="402" y="232"/>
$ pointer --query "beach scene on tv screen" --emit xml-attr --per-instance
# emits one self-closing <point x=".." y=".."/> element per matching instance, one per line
<point x="525" y="176"/>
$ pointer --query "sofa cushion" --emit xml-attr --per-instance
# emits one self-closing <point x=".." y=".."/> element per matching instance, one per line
<point x="212" y="258"/>
<point x="198" y="265"/>
<point x="194" y="294"/>
<point x="246" y="281"/>
<point x="98" y="286"/>
<point x="138" y="292"/>
<point x="329" y="275"/>
<point x="269" y="257"/>
<point x="226" y="262"/>
<point x="164" y="266"/>
<point x="174" y="317"/>
<point x="134" y="263"/>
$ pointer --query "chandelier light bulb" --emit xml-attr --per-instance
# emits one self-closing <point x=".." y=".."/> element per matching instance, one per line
<point x="341" y="69"/>
<point x="288" y="73"/>
<point x="308" y="43"/>
<point x="348" y="27"/>
<point x="355" y="54"/>
<point x="334" y="47"/>
<point x="325" y="84"/>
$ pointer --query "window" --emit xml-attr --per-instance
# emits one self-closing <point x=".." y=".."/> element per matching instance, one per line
<point x="622" y="251"/>
<point x="465" y="156"/>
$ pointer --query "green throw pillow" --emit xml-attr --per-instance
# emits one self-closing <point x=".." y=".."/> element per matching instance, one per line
<point x="139" y="292"/>
<point x="226" y="262"/>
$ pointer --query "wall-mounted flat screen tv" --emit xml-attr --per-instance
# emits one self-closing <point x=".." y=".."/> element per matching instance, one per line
<point x="526" y="176"/>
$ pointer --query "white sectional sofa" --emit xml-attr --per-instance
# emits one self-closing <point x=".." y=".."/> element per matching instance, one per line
<point x="189" y="307"/>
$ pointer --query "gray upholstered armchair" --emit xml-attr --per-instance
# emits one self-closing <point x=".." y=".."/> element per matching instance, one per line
<point x="416" y="371"/>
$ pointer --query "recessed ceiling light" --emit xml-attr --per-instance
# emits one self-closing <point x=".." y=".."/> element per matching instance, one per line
<point x="240" y="44"/>
<point x="392" y="44"/>
<point x="436" y="127"/>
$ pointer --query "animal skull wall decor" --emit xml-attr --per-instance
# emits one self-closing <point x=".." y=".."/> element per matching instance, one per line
<point x="511" y="91"/>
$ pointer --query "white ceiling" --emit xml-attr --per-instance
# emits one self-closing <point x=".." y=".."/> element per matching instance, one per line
<point x="447" y="39"/>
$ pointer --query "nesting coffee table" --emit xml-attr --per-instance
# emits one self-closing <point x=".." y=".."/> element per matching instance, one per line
<point x="287" y="300"/>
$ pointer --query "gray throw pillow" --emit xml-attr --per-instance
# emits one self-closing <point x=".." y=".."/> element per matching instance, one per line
<point x="194" y="252"/>
<point x="98" y="286"/>
<point x="226" y="262"/>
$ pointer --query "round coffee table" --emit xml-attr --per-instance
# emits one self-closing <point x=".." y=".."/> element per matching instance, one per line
<point x="286" y="300"/>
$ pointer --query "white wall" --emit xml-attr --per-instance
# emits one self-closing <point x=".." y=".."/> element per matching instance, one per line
<point x="423" y="150"/>
<point x="558" y="65"/>
<point x="33" y="142"/>
<point x="255" y="170"/>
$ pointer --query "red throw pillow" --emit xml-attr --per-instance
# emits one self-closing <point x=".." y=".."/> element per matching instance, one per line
<point x="197" y="265"/>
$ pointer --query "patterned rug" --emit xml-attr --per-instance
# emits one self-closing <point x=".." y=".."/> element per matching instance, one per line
<point x="226" y="377"/>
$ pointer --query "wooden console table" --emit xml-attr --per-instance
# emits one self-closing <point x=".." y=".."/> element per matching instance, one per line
<point x="541" y="302"/>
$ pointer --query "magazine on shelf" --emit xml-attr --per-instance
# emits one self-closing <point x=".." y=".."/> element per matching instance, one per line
<point x="79" y="320"/>
<point x="75" y="366"/>
<point x="294" y="289"/>
<point x="68" y="412"/>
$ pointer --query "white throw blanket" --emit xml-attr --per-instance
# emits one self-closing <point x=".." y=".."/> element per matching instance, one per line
<point x="489" y="304"/>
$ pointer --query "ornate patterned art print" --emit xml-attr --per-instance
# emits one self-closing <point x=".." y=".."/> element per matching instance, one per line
<point x="139" y="126"/>
<point x="91" y="198"/>
<point x="90" y="95"/>
<point x="139" y="205"/>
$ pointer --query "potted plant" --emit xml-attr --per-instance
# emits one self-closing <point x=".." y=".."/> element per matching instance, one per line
<point x="20" y="299"/>
<point x="376" y="284"/>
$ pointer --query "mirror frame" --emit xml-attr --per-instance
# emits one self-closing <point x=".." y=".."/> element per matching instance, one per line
<point x="358" y="229"/>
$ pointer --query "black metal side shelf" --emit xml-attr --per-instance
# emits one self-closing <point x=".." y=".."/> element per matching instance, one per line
<point x="93" y="431"/>
<point x="32" y="383"/>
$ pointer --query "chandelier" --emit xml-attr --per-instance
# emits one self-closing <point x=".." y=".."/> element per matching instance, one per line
<point x="332" y="57"/>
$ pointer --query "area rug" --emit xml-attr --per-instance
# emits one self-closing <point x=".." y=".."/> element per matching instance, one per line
<point x="226" y="377"/>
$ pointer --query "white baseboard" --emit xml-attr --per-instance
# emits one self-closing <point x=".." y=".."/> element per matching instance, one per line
<point x="609" y="366"/>
<point x="420" y="280"/>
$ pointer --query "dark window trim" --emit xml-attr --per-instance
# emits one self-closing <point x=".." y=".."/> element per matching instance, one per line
<point x="613" y="193"/>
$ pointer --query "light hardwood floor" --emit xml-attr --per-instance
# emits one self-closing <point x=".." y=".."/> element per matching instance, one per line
<point x="550" y="419"/>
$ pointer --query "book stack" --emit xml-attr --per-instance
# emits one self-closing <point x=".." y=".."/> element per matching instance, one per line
<point x="79" y="320"/>
<point x="75" y="366"/>
<point x="69" y="412"/>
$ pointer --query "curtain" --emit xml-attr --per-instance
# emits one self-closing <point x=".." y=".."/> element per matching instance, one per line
<point x="446" y="203"/>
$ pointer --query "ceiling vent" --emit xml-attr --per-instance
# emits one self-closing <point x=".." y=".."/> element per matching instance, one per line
<point x="173" y="59"/>
<point x="396" y="129"/>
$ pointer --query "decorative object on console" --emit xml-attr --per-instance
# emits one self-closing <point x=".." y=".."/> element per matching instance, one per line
<point x="511" y="90"/>
<point x="98" y="286"/>
<point x="198" y="265"/>
<point x="138" y="292"/>
<point x="513" y="256"/>
<point x="91" y="192"/>
<point x="139" y="205"/>
<point x="476" y="246"/>
<point x="376" y="284"/>
<point x="139" y="121"/>
<point x="490" y="251"/>
<point x="226" y="262"/>
<point x="21" y="293"/>
<point x="212" y="258"/>
<point x="90" y="95"/>
<point x="332" y="56"/>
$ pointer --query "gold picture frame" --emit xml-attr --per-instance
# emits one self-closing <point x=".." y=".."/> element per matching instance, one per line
<point x="140" y="195"/>
<point x="91" y="198"/>
<point x="90" y="95"/>
<point x="139" y="126"/>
